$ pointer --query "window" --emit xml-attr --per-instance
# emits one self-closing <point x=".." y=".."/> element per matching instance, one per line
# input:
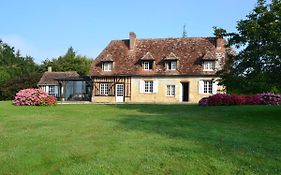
<point x="147" y="65"/>
<point x="148" y="86"/>
<point x="171" y="90"/>
<point x="104" y="89"/>
<point x="208" y="87"/>
<point x="107" y="66"/>
<point x="208" y="65"/>
<point x="171" y="65"/>
<point x="51" y="90"/>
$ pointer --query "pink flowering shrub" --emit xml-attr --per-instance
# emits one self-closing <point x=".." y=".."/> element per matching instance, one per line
<point x="226" y="99"/>
<point x="204" y="101"/>
<point x="34" y="97"/>
<point x="270" y="98"/>
<point x="49" y="100"/>
<point x="220" y="99"/>
<point x="253" y="100"/>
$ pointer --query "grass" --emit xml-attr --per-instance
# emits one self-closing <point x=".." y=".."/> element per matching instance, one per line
<point x="140" y="139"/>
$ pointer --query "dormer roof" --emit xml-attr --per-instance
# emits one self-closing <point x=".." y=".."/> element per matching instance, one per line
<point x="171" y="57"/>
<point x="147" y="57"/>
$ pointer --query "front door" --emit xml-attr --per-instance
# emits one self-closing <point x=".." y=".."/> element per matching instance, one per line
<point x="119" y="92"/>
<point x="185" y="92"/>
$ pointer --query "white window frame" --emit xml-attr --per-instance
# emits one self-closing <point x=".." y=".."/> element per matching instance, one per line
<point x="148" y="86"/>
<point x="208" y="65"/>
<point x="107" y="66"/>
<point x="146" y="65"/>
<point x="208" y="86"/>
<point x="104" y="89"/>
<point x="171" y="65"/>
<point x="171" y="90"/>
<point x="52" y="90"/>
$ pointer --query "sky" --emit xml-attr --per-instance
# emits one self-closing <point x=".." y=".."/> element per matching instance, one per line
<point x="47" y="28"/>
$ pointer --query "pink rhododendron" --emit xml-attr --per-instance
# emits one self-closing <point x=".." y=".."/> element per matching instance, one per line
<point x="226" y="99"/>
<point x="270" y="98"/>
<point x="34" y="97"/>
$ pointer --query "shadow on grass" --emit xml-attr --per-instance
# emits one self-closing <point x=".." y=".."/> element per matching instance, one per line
<point x="240" y="134"/>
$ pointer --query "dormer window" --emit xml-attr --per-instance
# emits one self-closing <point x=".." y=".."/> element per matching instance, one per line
<point x="147" y="61"/>
<point x="171" y="65"/>
<point x="208" y="65"/>
<point x="147" y="65"/>
<point x="107" y="66"/>
<point x="171" y="61"/>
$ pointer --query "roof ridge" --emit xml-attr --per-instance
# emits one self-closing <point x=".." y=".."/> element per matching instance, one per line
<point x="186" y="38"/>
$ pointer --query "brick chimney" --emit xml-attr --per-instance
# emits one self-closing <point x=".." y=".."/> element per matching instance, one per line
<point x="132" y="40"/>
<point x="220" y="53"/>
<point x="50" y="69"/>
<point x="220" y="43"/>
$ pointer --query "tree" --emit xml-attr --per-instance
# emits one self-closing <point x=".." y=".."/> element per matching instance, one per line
<point x="69" y="62"/>
<point x="16" y="72"/>
<point x="257" y="66"/>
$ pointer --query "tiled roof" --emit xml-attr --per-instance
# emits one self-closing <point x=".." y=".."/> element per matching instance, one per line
<point x="50" y="77"/>
<point x="188" y="52"/>
<point x="210" y="55"/>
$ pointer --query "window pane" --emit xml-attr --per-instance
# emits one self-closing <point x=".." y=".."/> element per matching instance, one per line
<point x="173" y="65"/>
<point x="208" y="87"/>
<point x="103" y="89"/>
<point x="147" y="65"/>
<point x="210" y="90"/>
<point x="151" y="86"/>
<point x="173" y="90"/>
<point x="208" y="65"/>
<point x="107" y="66"/>
<point x="51" y="90"/>
<point x="148" y="86"/>
<point x="170" y="90"/>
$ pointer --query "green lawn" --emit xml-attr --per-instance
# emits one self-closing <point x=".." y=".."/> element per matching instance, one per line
<point x="140" y="139"/>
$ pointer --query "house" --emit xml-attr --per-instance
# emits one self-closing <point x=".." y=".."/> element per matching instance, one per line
<point x="168" y="70"/>
<point x="66" y="85"/>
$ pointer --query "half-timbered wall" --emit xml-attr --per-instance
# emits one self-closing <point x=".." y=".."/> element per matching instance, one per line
<point x="112" y="81"/>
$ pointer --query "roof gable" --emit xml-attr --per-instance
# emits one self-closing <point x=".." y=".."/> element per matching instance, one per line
<point x="171" y="57"/>
<point x="147" y="56"/>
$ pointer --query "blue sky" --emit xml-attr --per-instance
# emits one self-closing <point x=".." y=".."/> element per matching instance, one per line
<point x="46" y="28"/>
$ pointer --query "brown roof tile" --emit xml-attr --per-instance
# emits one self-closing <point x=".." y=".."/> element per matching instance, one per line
<point x="210" y="55"/>
<point x="189" y="53"/>
<point x="50" y="77"/>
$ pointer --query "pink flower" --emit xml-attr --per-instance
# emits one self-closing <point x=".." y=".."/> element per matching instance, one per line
<point x="34" y="97"/>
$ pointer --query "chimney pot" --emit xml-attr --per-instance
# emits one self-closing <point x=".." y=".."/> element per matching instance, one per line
<point x="132" y="40"/>
<point x="49" y="69"/>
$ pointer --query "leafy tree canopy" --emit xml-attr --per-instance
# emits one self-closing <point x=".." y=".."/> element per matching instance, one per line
<point x="16" y="72"/>
<point x="257" y="66"/>
<point x="69" y="62"/>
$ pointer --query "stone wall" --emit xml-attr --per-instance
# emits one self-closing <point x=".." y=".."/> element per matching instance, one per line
<point x="160" y="96"/>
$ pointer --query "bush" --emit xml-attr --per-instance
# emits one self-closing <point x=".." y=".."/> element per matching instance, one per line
<point x="252" y="100"/>
<point x="270" y="98"/>
<point x="225" y="99"/>
<point x="220" y="99"/>
<point x="204" y="101"/>
<point x="49" y="100"/>
<point x="34" y="97"/>
<point x="237" y="100"/>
